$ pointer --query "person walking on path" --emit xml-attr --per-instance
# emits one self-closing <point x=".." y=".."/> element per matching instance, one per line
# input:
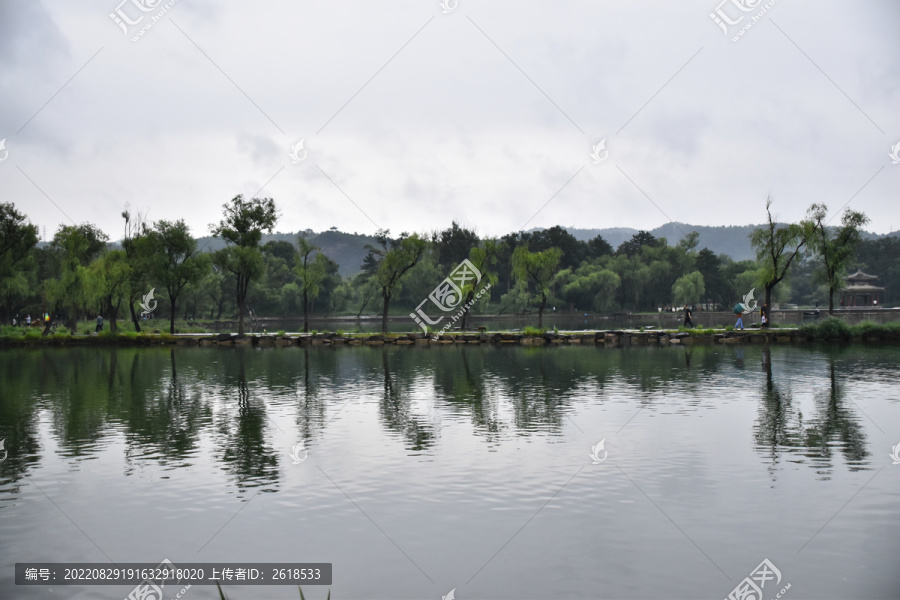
<point x="764" y="316"/>
<point x="28" y="320"/>
<point x="99" y="323"/>
<point x="687" y="317"/>
<point x="739" y="311"/>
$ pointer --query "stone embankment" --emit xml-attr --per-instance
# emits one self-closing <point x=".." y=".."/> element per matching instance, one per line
<point x="618" y="338"/>
<point x="610" y="339"/>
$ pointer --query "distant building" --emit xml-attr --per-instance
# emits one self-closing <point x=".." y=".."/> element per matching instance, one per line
<point x="860" y="291"/>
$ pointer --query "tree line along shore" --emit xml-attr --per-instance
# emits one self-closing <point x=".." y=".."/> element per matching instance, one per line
<point x="157" y="269"/>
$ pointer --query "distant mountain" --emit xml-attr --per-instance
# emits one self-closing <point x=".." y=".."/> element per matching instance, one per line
<point x="733" y="240"/>
<point x="346" y="249"/>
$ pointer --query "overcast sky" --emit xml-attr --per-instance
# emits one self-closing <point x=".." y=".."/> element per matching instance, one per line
<point x="487" y="114"/>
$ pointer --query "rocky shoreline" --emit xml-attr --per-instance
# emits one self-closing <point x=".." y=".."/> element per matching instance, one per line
<point x="612" y="338"/>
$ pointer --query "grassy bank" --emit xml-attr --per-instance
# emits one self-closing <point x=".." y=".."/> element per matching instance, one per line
<point x="833" y="328"/>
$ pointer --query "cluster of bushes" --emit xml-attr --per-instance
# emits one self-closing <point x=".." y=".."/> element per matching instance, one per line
<point x="834" y="328"/>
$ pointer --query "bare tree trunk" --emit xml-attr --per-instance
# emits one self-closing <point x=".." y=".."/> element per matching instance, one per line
<point x="172" y="312"/>
<point x="134" y="318"/>
<point x="241" y="297"/>
<point x="465" y="315"/>
<point x="384" y="313"/>
<point x="541" y="311"/>
<point x="305" y="311"/>
<point x="769" y="302"/>
<point x="113" y="313"/>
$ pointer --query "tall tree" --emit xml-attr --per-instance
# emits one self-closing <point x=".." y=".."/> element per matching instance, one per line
<point x="573" y="250"/>
<point x="484" y="257"/>
<point x="776" y="248"/>
<point x="310" y="268"/>
<point x="393" y="257"/>
<point x="538" y="269"/>
<point x="590" y="286"/>
<point x="598" y="247"/>
<point x="633" y="246"/>
<point x="176" y="261"/>
<point x="108" y="277"/>
<point x="242" y="226"/>
<point x="453" y="245"/>
<point x="136" y="253"/>
<point x="17" y="239"/>
<point x="78" y="245"/>
<point x="835" y="249"/>
<point x="710" y="266"/>
<point x="688" y="289"/>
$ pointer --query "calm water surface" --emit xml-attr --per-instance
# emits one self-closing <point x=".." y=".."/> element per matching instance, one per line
<point x="469" y="467"/>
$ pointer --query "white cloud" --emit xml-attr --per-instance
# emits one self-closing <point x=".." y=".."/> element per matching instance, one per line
<point x="451" y="128"/>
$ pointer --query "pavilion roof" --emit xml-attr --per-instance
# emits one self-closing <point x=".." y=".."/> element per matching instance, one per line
<point x="860" y="276"/>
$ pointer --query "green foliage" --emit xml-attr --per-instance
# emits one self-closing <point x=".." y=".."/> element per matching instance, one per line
<point x="17" y="238"/>
<point x="834" y="328"/>
<point x="834" y="249"/>
<point x="688" y="289"/>
<point x="10" y="331"/>
<point x="590" y="286"/>
<point x="389" y="262"/>
<point x="831" y="328"/>
<point x="537" y="270"/>
<point x="776" y="248"/>
<point x="175" y="261"/>
<point x="529" y="330"/>
<point x="242" y="227"/>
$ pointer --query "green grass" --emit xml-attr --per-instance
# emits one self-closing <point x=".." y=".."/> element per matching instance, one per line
<point x="529" y="330"/>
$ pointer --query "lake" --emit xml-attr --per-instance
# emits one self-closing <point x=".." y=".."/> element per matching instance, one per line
<point x="473" y="468"/>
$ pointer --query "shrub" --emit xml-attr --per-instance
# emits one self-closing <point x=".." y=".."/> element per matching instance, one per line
<point x="529" y="330"/>
<point x="10" y="331"/>
<point x="831" y="328"/>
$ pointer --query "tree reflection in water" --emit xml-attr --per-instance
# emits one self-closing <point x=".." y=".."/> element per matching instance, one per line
<point x="780" y="428"/>
<point x="248" y="459"/>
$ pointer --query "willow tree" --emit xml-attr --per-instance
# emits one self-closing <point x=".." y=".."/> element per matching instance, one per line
<point x="242" y="228"/>
<point x="776" y="248"/>
<point x="389" y="262"/>
<point x="107" y="280"/>
<point x="78" y="246"/>
<point x="176" y="261"/>
<point x="134" y="242"/>
<point x="537" y="269"/>
<point x="311" y="268"/>
<point x="688" y="289"/>
<point x="483" y="257"/>
<point x="836" y="248"/>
